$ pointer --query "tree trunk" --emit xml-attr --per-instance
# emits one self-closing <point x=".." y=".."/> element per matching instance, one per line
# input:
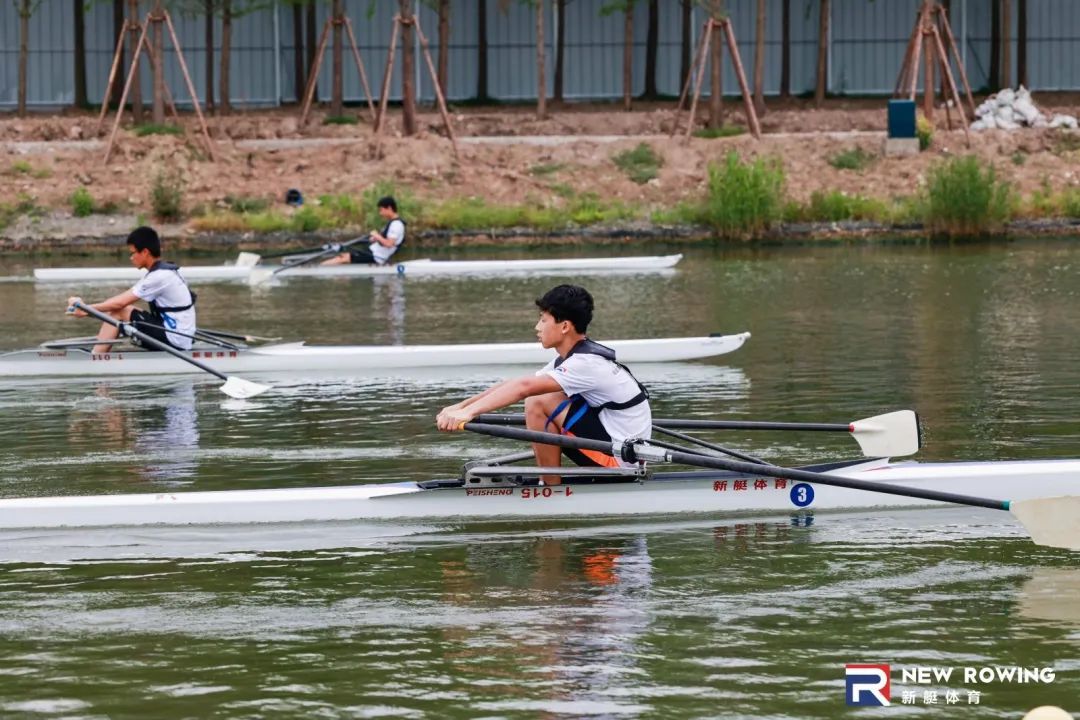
<point x="1021" y="43"/>
<point x="444" y="44"/>
<point x="337" y="102"/>
<point x="136" y="52"/>
<point x="560" y="50"/>
<point x="785" y="49"/>
<point x="1006" y="43"/>
<point x="541" y="77"/>
<point x="157" y="46"/>
<point x="759" y="60"/>
<point x="684" y="48"/>
<point x="481" y="52"/>
<point x="312" y="44"/>
<point x="225" y="88"/>
<point x="994" y="78"/>
<point x="24" y="53"/>
<point x="652" y="48"/>
<point x="628" y="57"/>
<point x="299" y="79"/>
<point x="208" y="8"/>
<point x="822" y="54"/>
<point x="716" y="85"/>
<point x="80" y="53"/>
<point x="408" y="70"/>
<point x="118" y="36"/>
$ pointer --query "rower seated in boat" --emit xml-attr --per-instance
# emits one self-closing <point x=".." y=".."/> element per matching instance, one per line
<point x="584" y="391"/>
<point x="171" y="317"/>
<point x="383" y="244"/>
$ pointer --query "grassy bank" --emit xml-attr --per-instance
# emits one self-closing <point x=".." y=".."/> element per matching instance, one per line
<point x="742" y="199"/>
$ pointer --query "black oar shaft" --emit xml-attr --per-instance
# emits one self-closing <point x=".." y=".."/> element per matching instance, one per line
<point x="756" y="469"/>
<point x="149" y="340"/>
<point x="679" y="424"/>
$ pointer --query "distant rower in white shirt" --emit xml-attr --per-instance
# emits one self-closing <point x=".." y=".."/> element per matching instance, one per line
<point x="383" y="244"/>
<point x="583" y="391"/>
<point x="172" y="303"/>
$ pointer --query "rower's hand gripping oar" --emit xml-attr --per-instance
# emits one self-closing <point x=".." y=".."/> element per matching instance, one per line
<point x="894" y="434"/>
<point x="1054" y="522"/>
<point x="234" y="387"/>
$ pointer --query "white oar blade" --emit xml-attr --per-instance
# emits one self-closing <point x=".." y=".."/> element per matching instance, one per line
<point x="242" y="389"/>
<point x="248" y="259"/>
<point x="893" y="434"/>
<point x="1052" y="521"/>
<point x="260" y="275"/>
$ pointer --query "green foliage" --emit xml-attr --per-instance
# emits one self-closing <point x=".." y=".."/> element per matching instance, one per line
<point x="166" y="195"/>
<point x="1065" y="142"/>
<point x="544" y="169"/>
<point x="1019" y="158"/>
<point x="245" y="204"/>
<point x="719" y="132"/>
<point x="853" y="159"/>
<point x="965" y="197"/>
<point x="306" y="219"/>
<point x="340" y="120"/>
<point x="744" y="198"/>
<point x="82" y="202"/>
<point x="1070" y="203"/>
<point x="836" y="206"/>
<point x="24" y="205"/>
<point x="924" y="130"/>
<point x="641" y="164"/>
<point x="23" y="167"/>
<point x="589" y="209"/>
<point x="157" y="129"/>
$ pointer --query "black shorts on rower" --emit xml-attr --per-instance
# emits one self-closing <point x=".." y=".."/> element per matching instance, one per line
<point x="149" y="324"/>
<point x="583" y="421"/>
<point x="362" y="256"/>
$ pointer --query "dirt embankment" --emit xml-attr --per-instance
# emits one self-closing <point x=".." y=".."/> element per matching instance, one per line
<point x="576" y="157"/>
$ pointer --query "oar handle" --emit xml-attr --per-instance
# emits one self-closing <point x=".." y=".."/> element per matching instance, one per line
<point x="129" y="329"/>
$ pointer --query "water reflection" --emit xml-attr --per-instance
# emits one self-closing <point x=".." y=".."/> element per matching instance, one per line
<point x="1051" y="593"/>
<point x="389" y="303"/>
<point x="163" y="434"/>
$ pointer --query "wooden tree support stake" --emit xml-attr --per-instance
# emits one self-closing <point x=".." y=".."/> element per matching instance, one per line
<point x="384" y="95"/>
<point x="143" y="46"/>
<point x="309" y="89"/>
<point x="697" y="75"/>
<point x="933" y="43"/>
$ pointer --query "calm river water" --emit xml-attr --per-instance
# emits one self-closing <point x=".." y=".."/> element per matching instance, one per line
<point x="659" y="618"/>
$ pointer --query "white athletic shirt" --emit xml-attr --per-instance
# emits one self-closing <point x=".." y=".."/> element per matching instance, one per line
<point x="598" y="380"/>
<point x="395" y="230"/>
<point x="167" y="289"/>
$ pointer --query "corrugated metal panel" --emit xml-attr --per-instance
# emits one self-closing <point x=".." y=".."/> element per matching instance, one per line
<point x="868" y="41"/>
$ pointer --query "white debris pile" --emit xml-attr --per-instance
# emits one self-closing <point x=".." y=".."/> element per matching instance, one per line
<point x="1014" y="109"/>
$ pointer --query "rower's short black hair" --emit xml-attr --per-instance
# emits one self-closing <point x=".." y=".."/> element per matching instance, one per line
<point x="145" y="238"/>
<point x="568" y="302"/>
<point x="388" y="202"/>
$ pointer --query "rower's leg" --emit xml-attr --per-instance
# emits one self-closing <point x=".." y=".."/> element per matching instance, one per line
<point x="537" y="411"/>
<point x="339" y="259"/>
<point x="111" y="332"/>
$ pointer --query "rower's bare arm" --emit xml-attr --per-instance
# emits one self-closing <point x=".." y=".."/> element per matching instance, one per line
<point x="496" y="397"/>
<point x="382" y="239"/>
<point x="116" y="302"/>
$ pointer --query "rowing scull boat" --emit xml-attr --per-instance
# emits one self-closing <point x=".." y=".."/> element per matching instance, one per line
<point x="480" y="496"/>
<point x="59" y="360"/>
<point x="408" y="268"/>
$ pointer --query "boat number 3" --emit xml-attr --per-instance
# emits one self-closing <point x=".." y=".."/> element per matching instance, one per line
<point x="802" y="495"/>
<point x="401" y="269"/>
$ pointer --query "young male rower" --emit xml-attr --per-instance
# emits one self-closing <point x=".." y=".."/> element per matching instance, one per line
<point x="172" y="303"/>
<point x="383" y="244"/>
<point x="583" y="391"/>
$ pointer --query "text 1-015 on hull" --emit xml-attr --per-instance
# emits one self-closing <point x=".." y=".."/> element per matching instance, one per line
<point x="481" y="496"/>
<point x="61" y="360"/>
